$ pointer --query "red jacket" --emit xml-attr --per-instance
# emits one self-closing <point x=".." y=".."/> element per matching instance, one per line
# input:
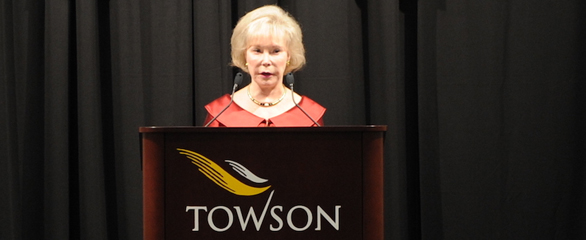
<point x="235" y="116"/>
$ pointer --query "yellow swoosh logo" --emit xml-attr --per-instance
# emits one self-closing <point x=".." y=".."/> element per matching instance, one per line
<point x="219" y="176"/>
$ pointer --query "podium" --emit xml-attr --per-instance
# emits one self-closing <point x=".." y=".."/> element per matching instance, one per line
<point x="263" y="183"/>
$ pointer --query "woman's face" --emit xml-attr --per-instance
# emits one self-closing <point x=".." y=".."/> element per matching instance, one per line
<point x="267" y="59"/>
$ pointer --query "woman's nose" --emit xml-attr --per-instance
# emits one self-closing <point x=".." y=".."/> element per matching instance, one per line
<point x="266" y="60"/>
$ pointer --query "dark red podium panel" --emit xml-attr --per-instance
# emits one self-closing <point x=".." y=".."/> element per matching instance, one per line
<point x="263" y="183"/>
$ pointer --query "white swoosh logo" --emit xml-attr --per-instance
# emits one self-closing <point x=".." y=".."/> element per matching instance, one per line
<point x="245" y="172"/>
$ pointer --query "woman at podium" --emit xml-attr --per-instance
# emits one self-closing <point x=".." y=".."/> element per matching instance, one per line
<point x="267" y="44"/>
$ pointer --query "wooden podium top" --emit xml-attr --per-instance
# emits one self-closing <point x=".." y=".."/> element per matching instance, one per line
<point x="187" y="129"/>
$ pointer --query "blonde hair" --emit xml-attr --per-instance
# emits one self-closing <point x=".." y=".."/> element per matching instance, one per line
<point x="268" y="21"/>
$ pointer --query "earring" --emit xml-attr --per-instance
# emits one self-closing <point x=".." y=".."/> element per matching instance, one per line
<point x="246" y="64"/>
<point x="288" y="63"/>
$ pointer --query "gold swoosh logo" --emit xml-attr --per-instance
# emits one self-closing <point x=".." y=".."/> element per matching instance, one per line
<point x="219" y="176"/>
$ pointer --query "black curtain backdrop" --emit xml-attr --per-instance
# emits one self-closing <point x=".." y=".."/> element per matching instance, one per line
<point x="484" y="102"/>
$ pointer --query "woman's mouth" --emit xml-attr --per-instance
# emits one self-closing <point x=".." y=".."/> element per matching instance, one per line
<point x="266" y="74"/>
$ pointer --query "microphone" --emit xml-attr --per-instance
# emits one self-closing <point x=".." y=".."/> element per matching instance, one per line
<point x="289" y="80"/>
<point x="237" y="81"/>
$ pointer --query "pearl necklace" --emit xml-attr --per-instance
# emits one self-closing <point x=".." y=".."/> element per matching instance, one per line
<point x="266" y="104"/>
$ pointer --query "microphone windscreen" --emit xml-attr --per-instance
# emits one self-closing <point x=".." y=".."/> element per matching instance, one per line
<point x="238" y="79"/>
<point x="289" y="79"/>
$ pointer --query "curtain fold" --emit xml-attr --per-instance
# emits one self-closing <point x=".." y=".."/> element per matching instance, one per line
<point x="8" y="139"/>
<point x="22" y="116"/>
<point x="58" y="144"/>
<point x="213" y="76"/>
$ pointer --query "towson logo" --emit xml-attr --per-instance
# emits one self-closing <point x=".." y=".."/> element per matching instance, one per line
<point x="228" y="182"/>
